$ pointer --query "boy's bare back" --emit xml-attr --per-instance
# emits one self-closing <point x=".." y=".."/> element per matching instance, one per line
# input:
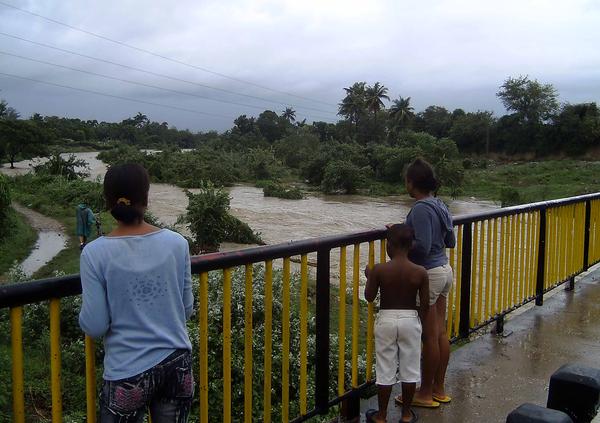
<point x="400" y="281"/>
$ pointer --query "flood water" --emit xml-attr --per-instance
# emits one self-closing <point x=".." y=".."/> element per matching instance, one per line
<point x="279" y="220"/>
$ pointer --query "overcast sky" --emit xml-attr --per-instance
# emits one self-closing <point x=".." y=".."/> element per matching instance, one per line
<point x="448" y="53"/>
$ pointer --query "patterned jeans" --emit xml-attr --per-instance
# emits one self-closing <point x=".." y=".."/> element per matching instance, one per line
<point x="166" y="390"/>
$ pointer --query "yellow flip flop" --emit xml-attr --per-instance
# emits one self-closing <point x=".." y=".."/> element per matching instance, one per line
<point x="418" y="403"/>
<point x="442" y="399"/>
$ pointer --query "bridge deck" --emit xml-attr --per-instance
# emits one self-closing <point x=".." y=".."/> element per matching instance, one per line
<point x="491" y="376"/>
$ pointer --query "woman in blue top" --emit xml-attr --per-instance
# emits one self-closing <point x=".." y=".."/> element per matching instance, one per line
<point x="137" y="295"/>
<point x="434" y="232"/>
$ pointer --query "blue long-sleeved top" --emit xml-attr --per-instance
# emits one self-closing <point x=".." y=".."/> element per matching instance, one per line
<point x="137" y="294"/>
<point x="434" y="232"/>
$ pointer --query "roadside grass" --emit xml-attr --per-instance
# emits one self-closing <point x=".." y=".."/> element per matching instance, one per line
<point x="534" y="181"/>
<point x="17" y="242"/>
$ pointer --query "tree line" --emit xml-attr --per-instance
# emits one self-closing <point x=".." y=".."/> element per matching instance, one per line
<point x="535" y="122"/>
<point x="370" y="143"/>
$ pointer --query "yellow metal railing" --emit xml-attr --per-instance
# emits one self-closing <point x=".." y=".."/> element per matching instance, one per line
<point x="564" y="237"/>
<point x="502" y="255"/>
<point x="504" y="259"/>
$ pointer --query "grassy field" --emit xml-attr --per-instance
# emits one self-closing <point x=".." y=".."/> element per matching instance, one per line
<point x="533" y="181"/>
<point x="17" y="242"/>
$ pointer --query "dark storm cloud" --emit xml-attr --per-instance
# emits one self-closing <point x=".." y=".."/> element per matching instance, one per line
<point x="449" y="53"/>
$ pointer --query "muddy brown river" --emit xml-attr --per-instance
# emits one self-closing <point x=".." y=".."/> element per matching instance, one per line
<point x="279" y="220"/>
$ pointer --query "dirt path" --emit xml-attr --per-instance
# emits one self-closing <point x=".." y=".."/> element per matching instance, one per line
<point x="51" y="239"/>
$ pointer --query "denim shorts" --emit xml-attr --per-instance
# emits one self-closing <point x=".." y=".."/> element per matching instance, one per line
<point x="166" y="391"/>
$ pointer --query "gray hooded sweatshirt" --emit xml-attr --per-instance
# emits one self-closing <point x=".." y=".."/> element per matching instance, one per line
<point x="434" y="232"/>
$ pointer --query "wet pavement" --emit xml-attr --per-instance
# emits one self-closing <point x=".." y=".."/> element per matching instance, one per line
<point x="491" y="376"/>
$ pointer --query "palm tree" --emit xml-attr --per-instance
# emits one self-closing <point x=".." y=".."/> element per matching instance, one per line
<point x="140" y="120"/>
<point x="401" y="112"/>
<point x="354" y="104"/>
<point x="7" y="112"/>
<point x="289" y="114"/>
<point x="375" y="96"/>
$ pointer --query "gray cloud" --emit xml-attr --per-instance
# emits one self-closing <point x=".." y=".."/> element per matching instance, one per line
<point x="449" y="53"/>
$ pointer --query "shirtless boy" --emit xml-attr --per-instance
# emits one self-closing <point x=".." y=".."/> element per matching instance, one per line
<point x="398" y="327"/>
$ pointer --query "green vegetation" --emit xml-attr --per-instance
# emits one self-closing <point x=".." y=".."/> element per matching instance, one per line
<point x="517" y="183"/>
<point x="57" y="197"/>
<point x="73" y="360"/>
<point x="210" y="222"/>
<point x="16" y="236"/>
<point x="16" y="241"/>
<point x="364" y="152"/>
<point x="70" y="168"/>
<point x="4" y="204"/>
<point x="274" y="189"/>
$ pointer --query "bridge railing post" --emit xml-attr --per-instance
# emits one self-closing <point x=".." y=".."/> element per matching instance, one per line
<point x="322" y="332"/>
<point x="465" y="281"/>
<point x="586" y="235"/>
<point x="539" y="286"/>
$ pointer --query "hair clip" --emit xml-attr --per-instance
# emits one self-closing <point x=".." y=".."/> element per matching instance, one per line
<point x="124" y="200"/>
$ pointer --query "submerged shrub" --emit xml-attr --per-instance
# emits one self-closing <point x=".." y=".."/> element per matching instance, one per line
<point x="70" y="168"/>
<point x="211" y="224"/>
<point x="273" y="189"/>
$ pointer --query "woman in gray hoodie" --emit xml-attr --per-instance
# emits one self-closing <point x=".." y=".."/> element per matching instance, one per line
<point x="434" y="232"/>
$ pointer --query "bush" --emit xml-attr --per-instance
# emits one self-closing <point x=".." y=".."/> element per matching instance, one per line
<point x="70" y="168"/>
<point x="393" y="168"/>
<point x="342" y="177"/>
<point x="211" y="224"/>
<point x="314" y="171"/>
<point x="451" y="175"/>
<point x="295" y="150"/>
<point x="273" y="189"/>
<point x="49" y="194"/>
<point x="262" y="164"/>
<point x="190" y="169"/>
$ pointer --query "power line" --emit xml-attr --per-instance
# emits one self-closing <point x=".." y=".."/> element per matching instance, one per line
<point x="127" y="81"/>
<point x="159" y="74"/>
<point x="183" y="109"/>
<point x="121" y="43"/>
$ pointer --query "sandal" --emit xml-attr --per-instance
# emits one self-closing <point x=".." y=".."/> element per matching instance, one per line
<point x="418" y="403"/>
<point x="413" y="419"/>
<point x="370" y="415"/>
<point x="442" y="399"/>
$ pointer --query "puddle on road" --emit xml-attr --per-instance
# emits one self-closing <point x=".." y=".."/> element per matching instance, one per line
<point x="47" y="246"/>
